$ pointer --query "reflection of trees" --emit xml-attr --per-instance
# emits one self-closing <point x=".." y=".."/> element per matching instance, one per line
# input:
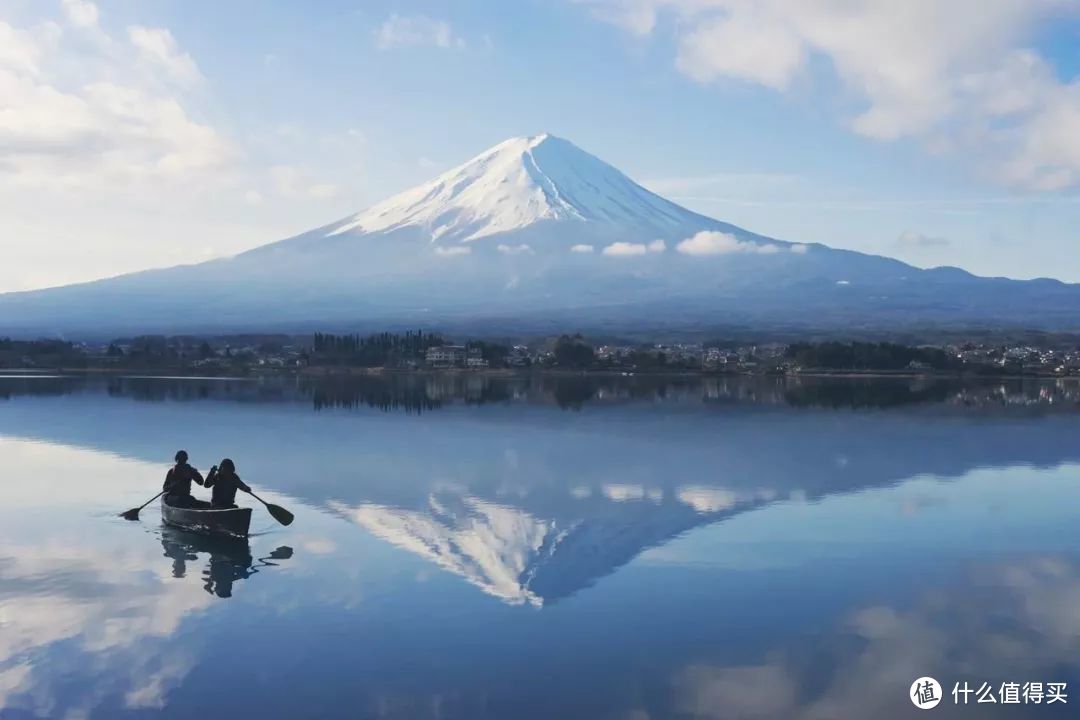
<point x="423" y="392"/>
<point x="571" y="393"/>
<point x="153" y="389"/>
<point x="869" y="393"/>
<point x="41" y="386"/>
<point x="410" y="397"/>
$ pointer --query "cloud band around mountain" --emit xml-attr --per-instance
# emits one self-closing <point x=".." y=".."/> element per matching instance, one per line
<point x="712" y="242"/>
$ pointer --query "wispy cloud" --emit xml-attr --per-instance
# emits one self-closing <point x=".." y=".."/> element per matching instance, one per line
<point x="125" y="122"/>
<point x="157" y="46"/>
<point x="417" y="31"/>
<point x="921" y="69"/>
<point x="582" y="249"/>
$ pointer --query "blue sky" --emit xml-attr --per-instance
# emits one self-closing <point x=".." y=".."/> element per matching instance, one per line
<point x="152" y="133"/>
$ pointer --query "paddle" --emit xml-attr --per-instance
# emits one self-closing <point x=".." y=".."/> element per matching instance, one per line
<point x="280" y="514"/>
<point x="133" y="513"/>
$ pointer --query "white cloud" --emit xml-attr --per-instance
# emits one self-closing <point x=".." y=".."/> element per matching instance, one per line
<point x="711" y="242"/>
<point x="582" y="249"/>
<point x="521" y="249"/>
<point x="81" y="13"/>
<point x="416" y="31"/>
<point x="624" y="249"/>
<point x="157" y="47"/>
<point x="111" y="127"/>
<point x="453" y="250"/>
<point x="636" y="16"/>
<point x="627" y="249"/>
<point x="958" y="76"/>
<point x="752" y="49"/>
<point x="107" y="166"/>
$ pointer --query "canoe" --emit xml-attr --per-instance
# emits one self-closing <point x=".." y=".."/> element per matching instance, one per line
<point x="233" y="522"/>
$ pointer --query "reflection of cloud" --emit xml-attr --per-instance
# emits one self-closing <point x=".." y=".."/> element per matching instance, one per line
<point x="711" y="499"/>
<point x="107" y="606"/>
<point x="319" y="546"/>
<point x="151" y="690"/>
<point x="707" y="499"/>
<point x="622" y="493"/>
<point x="737" y="693"/>
<point x="866" y="667"/>
<point x="13" y="680"/>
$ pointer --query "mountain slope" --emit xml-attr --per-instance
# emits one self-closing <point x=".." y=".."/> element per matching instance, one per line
<point x="537" y="234"/>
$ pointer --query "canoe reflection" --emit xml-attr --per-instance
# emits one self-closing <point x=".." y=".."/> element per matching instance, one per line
<point x="230" y="559"/>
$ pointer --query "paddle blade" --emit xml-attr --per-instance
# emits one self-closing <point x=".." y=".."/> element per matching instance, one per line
<point x="132" y="514"/>
<point x="280" y="514"/>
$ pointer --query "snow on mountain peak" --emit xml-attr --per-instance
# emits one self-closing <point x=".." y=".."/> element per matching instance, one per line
<point x="515" y="184"/>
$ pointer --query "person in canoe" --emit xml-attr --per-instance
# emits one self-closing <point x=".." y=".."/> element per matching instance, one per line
<point x="178" y="483"/>
<point x="225" y="482"/>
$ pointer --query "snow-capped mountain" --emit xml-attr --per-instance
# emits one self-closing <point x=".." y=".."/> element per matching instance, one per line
<point x="521" y="182"/>
<point x="536" y="233"/>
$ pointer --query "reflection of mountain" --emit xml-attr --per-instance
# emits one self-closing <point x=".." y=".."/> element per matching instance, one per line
<point x="523" y="559"/>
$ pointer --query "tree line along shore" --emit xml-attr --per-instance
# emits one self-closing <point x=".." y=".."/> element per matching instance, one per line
<point x="324" y="353"/>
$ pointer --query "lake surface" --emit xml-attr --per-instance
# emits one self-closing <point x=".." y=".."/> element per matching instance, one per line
<point x="556" y="547"/>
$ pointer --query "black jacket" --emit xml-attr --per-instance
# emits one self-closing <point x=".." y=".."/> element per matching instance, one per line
<point x="178" y="480"/>
<point x="225" y="485"/>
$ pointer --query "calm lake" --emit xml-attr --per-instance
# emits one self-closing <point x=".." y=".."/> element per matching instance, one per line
<point x="546" y="547"/>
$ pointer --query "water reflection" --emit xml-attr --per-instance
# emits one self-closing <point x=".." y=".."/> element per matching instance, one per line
<point x="999" y="623"/>
<point x="229" y="559"/>
<point x="418" y="393"/>
<point x="540" y="547"/>
<point x="524" y="557"/>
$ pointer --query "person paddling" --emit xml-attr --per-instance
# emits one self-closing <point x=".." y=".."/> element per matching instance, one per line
<point x="225" y="483"/>
<point x="177" y="485"/>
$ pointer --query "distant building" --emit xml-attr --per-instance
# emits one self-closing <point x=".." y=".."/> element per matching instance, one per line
<point x="475" y="359"/>
<point x="446" y="355"/>
<point x="518" y="357"/>
<point x="714" y="359"/>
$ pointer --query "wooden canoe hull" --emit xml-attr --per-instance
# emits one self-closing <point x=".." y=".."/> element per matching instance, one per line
<point x="234" y="522"/>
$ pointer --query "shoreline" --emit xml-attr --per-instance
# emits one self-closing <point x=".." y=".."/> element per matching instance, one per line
<point x="346" y="372"/>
